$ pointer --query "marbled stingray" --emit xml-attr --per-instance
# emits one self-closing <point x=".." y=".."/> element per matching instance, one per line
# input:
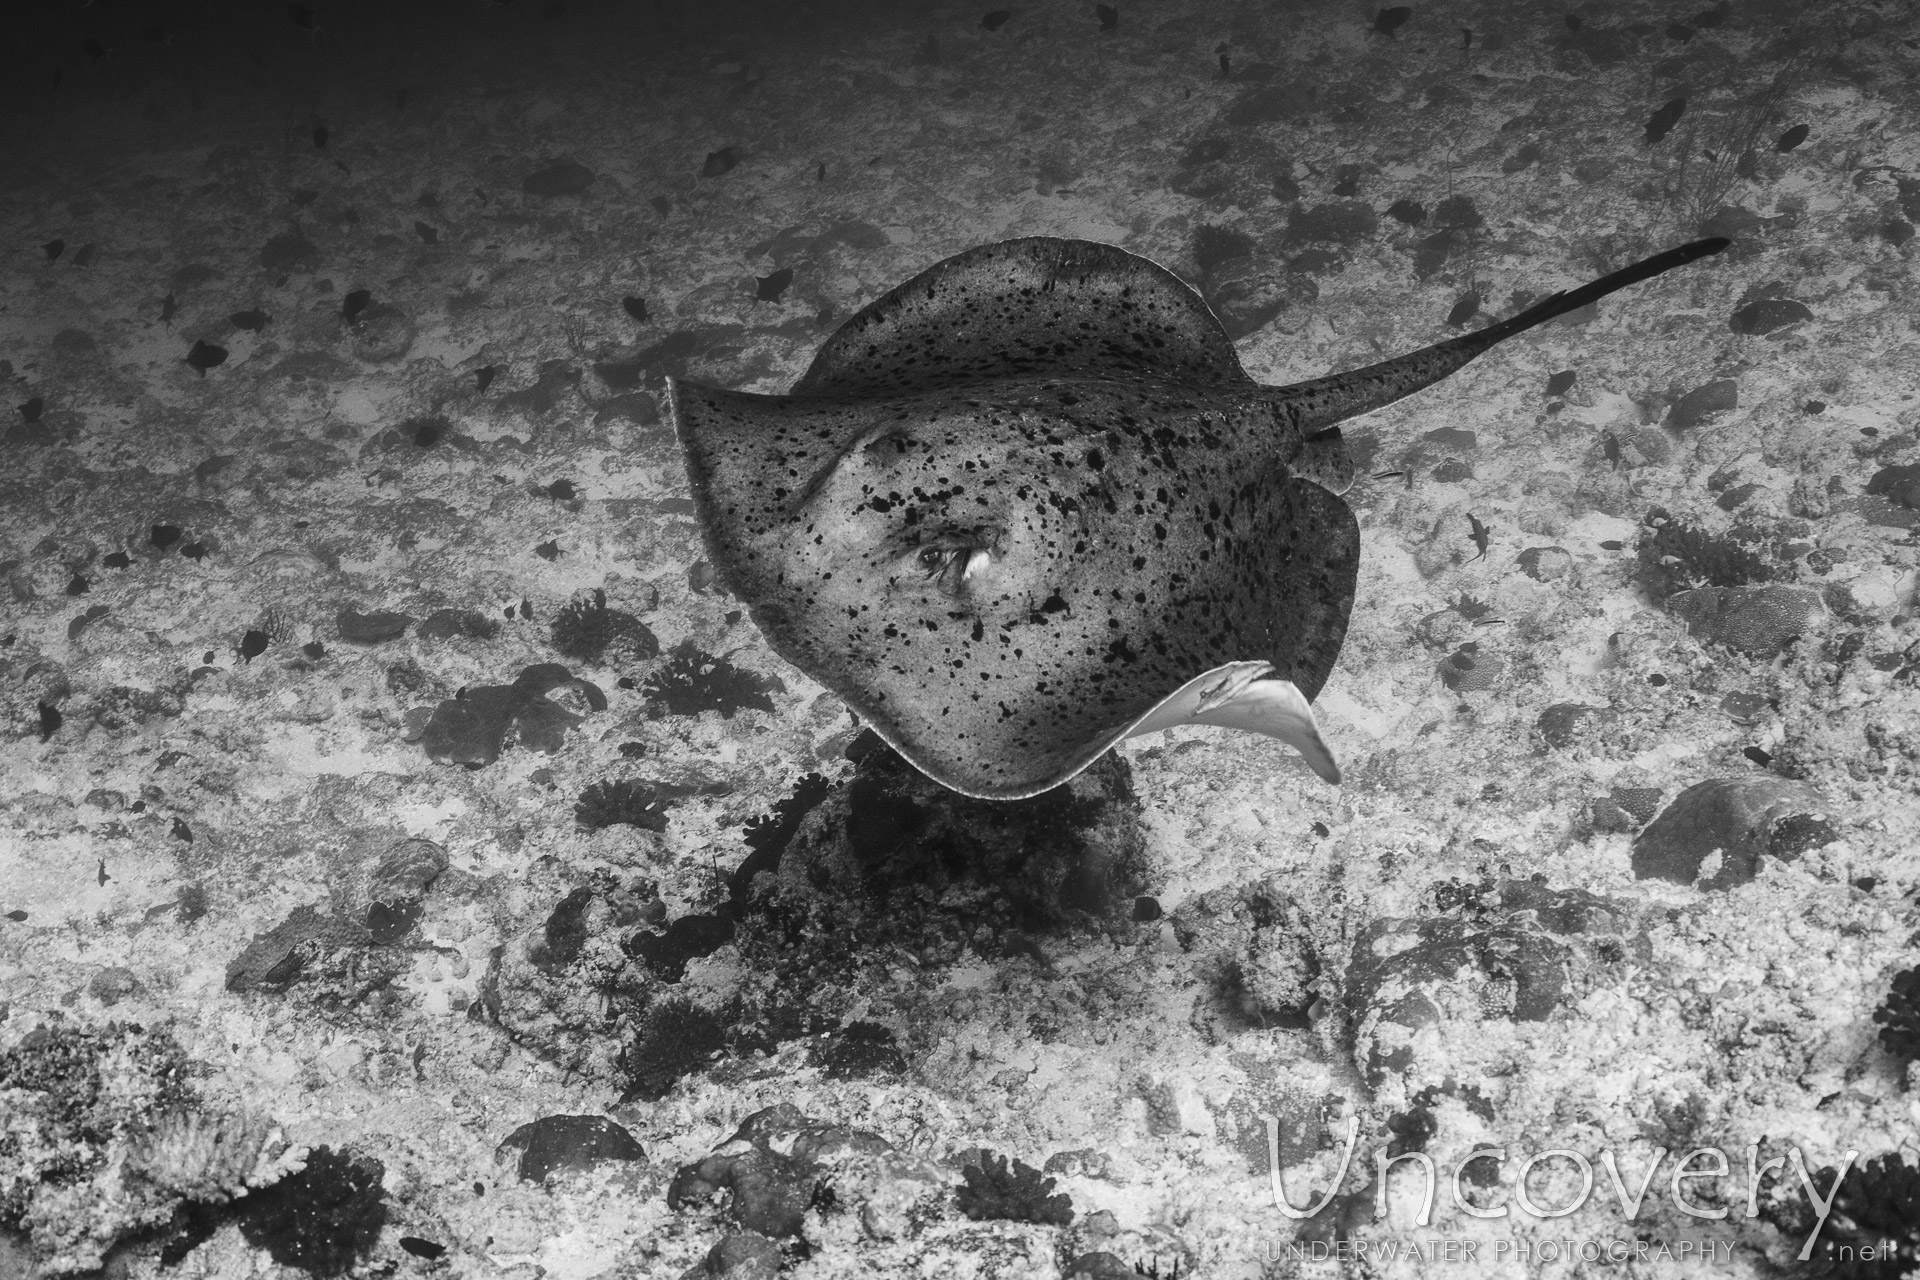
<point x="1028" y="504"/>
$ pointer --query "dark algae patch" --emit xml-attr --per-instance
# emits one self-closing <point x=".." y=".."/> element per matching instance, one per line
<point x="630" y="801"/>
<point x="1015" y="1192"/>
<point x="676" y="1039"/>
<point x="321" y="1219"/>
<point x="586" y="629"/>
<point x="1676" y="556"/>
<point x="693" y="681"/>
<point x="471" y="728"/>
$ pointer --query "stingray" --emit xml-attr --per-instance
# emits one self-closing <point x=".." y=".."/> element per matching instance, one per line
<point x="1028" y="504"/>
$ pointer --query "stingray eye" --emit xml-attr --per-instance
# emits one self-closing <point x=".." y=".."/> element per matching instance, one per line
<point x="945" y="566"/>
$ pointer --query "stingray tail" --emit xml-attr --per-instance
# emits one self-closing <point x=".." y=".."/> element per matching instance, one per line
<point x="1325" y="401"/>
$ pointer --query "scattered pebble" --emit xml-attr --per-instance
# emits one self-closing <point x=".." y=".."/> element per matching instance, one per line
<point x="1468" y="670"/>
<point x="1713" y="834"/>
<point x="558" y="178"/>
<point x="371" y="628"/>
<point x="1757" y="620"/>
<point x="552" y="1143"/>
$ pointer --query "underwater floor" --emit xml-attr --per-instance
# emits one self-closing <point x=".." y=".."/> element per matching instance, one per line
<point x="414" y="861"/>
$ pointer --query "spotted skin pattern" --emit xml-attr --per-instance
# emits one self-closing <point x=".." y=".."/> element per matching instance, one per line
<point x="1021" y="499"/>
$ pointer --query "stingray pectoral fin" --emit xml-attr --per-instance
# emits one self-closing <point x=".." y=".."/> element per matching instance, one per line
<point x="1244" y="695"/>
<point x="1279" y="710"/>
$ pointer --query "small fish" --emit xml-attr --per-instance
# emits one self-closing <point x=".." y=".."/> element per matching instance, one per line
<point x="820" y="175"/>
<point x="997" y="19"/>
<point x="304" y="196"/>
<point x="718" y="162"/>
<point x="205" y="355"/>
<point x="354" y="303"/>
<point x="78" y="586"/>
<point x="195" y="551"/>
<point x="83" y="256"/>
<point x="561" y="491"/>
<point x="181" y="831"/>
<point x="169" y="308"/>
<point x="548" y="550"/>
<point x="769" y="288"/>
<point x="32" y="409"/>
<point x="1226" y="66"/>
<point x="101" y="875"/>
<point x="1388" y="21"/>
<point x="1387" y="475"/>
<point x="1661" y="122"/>
<point x="53" y="249"/>
<point x="1490" y="622"/>
<point x="164" y="535"/>
<point x="428" y="233"/>
<point x="1466" y="39"/>
<point x="1481" y="534"/>
<point x="320" y="136"/>
<point x="1561" y="383"/>
<point x="1792" y="138"/>
<point x="251" y="321"/>
<point x="526" y="605"/>
<point x="1108" y="15"/>
<point x="253" y="644"/>
<point x="1464" y="310"/>
<point x="1610" y="448"/>
<point x="483" y="377"/>
<point x="635" y="307"/>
